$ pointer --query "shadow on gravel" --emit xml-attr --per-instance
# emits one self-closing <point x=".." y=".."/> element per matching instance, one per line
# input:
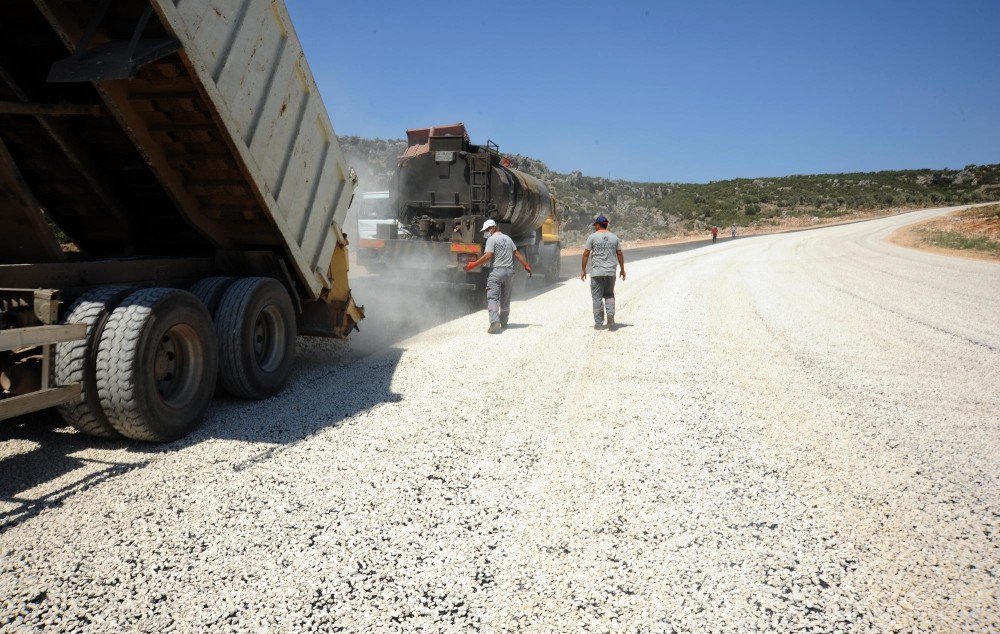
<point x="322" y="397"/>
<point x="333" y="381"/>
<point x="44" y="462"/>
<point x="50" y="459"/>
<point x="314" y="403"/>
<point x="618" y="326"/>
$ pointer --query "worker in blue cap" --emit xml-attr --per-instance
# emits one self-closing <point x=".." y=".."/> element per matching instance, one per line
<point x="603" y="250"/>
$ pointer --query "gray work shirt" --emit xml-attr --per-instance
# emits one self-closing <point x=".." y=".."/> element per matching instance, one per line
<point x="502" y="248"/>
<point x="603" y="247"/>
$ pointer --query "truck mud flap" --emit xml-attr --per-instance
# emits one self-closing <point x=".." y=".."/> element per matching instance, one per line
<point x="334" y="320"/>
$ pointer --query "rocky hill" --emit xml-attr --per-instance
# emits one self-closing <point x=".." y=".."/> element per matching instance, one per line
<point x="656" y="210"/>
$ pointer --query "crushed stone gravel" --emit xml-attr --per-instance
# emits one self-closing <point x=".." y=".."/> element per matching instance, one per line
<point x="786" y="432"/>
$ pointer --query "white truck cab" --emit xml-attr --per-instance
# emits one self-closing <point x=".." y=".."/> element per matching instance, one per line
<point x="373" y="210"/>
<point x="373" y="221"/>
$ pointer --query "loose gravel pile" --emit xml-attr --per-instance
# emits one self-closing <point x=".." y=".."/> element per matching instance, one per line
<point x="794" y="431"/>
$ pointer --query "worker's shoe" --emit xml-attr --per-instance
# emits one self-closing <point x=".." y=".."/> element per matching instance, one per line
<point x="598" y="326"/>
<point x="495" y="328"/>
<point x="611" y="322"/>
<point x="503" y="322"/>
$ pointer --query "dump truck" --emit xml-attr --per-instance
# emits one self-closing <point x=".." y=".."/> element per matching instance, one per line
<point x="443" y="189"/>
<point x="171" y="200"/>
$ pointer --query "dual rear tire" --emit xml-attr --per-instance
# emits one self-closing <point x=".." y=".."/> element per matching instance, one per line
<point x="255" y="324"/>
<point x="76" y="361"/>
<point x="157" y="363"/>
<point x="152" y="357"/>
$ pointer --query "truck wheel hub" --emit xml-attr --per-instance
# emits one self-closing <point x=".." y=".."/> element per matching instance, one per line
<point x="176" y="371"/>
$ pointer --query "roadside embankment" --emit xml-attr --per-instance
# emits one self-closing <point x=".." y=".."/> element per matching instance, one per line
<point x="971" y="233"/>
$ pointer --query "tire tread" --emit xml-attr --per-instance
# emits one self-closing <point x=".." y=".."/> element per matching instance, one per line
<point x="70" y="363"/>
<point x="119" y="375"/>
<point x="234" y="373"/>
<point x="210" y="291"/>
<point x="116" y="352"/>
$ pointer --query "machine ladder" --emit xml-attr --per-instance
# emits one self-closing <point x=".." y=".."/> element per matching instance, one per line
<point x="481" y="179"/>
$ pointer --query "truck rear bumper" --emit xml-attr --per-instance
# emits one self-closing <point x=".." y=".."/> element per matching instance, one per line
<point x="334" y="314"/>
<point x="334" y="320"/>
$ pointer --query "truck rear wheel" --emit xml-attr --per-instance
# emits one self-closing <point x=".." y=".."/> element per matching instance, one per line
<point x="552" y="260"/>
<point x="255" y="324"/>
<point x="75" y="361"/>
<point x="210" y="291"/>
<point x="157" y="364"/>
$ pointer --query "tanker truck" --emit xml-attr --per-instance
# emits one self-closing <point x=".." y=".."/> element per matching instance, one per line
<point x="443" y="189"/>
<point x="183" y="153"/>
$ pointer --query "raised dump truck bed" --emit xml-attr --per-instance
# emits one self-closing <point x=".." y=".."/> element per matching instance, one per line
<point x="177" y="144"/>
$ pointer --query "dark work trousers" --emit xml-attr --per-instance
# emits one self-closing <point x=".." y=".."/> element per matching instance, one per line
<point x="602" y="290"/>
<point x="498" y="287"/>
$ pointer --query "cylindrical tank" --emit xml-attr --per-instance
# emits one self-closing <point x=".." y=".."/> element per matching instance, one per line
<point x="519" y="199"/>
<point x="437" y="186"/>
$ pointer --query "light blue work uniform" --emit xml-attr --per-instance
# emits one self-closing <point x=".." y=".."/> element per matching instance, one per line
<point x="604" y="247"/>
<point x="501" y="278"/>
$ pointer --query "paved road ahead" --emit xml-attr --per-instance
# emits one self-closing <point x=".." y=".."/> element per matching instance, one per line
<point x="571" y="263"/>
<point x="790" y="430"/>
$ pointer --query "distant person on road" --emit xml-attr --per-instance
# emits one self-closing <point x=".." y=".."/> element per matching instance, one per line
<point x="715" y="234"/>
<point x="733" y="230"/>
<point x="603" y="250"/>
<point x="502" y="251"/>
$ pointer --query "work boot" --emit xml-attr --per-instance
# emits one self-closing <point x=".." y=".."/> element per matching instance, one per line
<point x="611" y="322"/>
<point x="598" y="326"/>
<point x="495" y="328"/>
<point x="503" y="322"/>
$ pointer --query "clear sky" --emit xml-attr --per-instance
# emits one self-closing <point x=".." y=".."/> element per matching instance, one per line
<point x="672" y="91"/>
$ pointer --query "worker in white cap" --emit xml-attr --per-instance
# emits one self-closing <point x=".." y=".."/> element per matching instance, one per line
<point x="501" y="252"/>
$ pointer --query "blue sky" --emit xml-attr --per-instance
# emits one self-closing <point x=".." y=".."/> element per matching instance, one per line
<point x="672" y="91"/>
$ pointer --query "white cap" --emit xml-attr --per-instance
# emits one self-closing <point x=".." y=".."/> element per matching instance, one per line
<point x="489" y="224"/>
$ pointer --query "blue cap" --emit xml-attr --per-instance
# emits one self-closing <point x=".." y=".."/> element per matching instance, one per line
<point x="600" y="220"/>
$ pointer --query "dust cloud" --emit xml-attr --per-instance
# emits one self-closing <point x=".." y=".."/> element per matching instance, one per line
<point x="398" y="307"/>
<point x="369" y="180"/>
<point x="410" y="296"/>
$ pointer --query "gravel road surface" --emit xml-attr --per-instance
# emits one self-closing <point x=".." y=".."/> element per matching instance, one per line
<point x="787" y="431"/>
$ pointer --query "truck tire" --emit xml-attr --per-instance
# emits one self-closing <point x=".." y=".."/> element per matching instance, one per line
<point x="553" y="261"/>
<point x="210" y="291"/>
<point x="255" y="325"/>
<point x="157" y="364"/>
<point x="75" y="361"/>
<point x="475" y="299"/>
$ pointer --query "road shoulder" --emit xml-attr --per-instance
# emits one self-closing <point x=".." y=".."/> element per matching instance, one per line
<point x="969" y="233"/>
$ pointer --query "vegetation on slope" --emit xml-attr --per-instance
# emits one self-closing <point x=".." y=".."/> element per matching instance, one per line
<point x="975" y="230"/>
<point x="652" y="210"/>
